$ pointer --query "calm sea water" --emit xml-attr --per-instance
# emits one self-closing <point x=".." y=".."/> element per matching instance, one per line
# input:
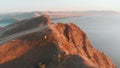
<point x="103" y="32"/>
<point x="4" y="24"/>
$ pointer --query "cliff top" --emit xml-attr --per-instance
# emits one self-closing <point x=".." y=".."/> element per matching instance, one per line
<point x="52" y="45"/>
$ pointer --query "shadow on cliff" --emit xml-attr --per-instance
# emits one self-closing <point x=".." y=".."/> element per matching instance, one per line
<point x="48" y="55"/>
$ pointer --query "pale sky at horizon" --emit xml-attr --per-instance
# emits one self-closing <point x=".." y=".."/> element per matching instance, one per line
<point x="57" y="5"/>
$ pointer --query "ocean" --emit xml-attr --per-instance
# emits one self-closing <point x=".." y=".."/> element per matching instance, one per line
<point x="5" y="22"/>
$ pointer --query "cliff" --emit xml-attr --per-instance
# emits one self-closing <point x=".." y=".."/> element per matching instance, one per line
<point x="55" y="46"/>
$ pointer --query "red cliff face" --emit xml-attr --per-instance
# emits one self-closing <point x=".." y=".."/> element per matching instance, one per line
<point x="56" y="46"/>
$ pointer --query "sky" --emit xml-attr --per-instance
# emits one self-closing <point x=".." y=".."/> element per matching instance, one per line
<point x="57" y="5"/>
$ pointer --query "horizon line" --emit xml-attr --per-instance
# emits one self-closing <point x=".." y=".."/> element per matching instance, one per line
<point x="59" y="11"/>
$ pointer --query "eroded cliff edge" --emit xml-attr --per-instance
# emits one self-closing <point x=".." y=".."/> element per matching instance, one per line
<point x="55" y="46"/>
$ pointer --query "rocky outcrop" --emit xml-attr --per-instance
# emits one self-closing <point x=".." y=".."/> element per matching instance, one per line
<point x="25" y="25"/>
<point x="56" y="46"/>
